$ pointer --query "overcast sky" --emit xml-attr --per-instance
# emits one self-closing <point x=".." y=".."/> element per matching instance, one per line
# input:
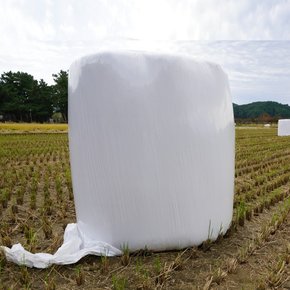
<point x="43" y="36"/>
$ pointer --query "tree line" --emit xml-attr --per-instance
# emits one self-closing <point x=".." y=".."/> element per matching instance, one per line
<point x="25" y="99"/>
<point x="261" y="112"/>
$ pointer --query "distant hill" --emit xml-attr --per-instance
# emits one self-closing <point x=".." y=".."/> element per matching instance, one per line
<point x="264" y="111"/>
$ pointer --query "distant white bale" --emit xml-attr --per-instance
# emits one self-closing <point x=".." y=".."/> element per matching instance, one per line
<point x="284" y="127"/>
<point x="267" y="125"/>
<point x="152" y="149"/>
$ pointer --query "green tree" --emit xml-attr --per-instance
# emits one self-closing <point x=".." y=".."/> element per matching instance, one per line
<point x="61" y="93"/>
<point x="42" y="106"/>
<point x="17" y="88"/>
<point x="23" y="99"/>
<point x="261" y="111"/>
<point x="3" y="97"/>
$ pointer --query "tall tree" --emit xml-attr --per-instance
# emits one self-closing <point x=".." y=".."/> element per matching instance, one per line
<point x="18" y="89"/>
<point x="3" y="97"/>
<point x="61" y="93"/>
<point x="42" y="107"/>
<point x="22" y="98"/>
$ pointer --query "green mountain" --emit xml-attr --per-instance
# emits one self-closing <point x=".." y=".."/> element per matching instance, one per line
<point x="260" y="110"/>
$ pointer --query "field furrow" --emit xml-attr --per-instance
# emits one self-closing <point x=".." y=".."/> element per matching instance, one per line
<point x="36" y="203"/>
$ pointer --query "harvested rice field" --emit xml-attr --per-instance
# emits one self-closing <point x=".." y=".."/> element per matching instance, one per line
<point x="36" y="203"/>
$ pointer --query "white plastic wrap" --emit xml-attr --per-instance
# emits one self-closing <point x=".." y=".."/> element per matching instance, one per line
<point x="284" y="127"/>
<point x="74" y="247"/>
<point x="152" y="155"/>
<point x="152" y="149"/>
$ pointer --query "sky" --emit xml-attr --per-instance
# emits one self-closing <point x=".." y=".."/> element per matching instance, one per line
<point x="250" y="39"/>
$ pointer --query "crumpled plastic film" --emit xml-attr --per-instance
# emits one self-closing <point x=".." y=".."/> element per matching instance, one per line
<point x="151" y="141"/>
<point x="74" y="248"/>
<point x="284" y="127"/>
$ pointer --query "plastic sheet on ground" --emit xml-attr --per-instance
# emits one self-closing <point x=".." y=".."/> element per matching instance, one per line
<point x="74" y="247"/>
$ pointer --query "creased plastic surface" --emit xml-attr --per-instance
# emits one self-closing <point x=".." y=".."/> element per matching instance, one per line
<point x="74" y="247"/>
<point x="284" y="127"/>
<point x="152" y="149"/>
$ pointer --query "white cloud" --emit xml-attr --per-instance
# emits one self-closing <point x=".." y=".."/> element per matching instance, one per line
<point x="147" y="19"/>
<point x="43" y="36"/>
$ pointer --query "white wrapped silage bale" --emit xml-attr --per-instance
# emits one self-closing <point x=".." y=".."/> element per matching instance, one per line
<point x="152" y="149"/>
<point x="152" y="155"/>
<point x="284" y="127"/>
